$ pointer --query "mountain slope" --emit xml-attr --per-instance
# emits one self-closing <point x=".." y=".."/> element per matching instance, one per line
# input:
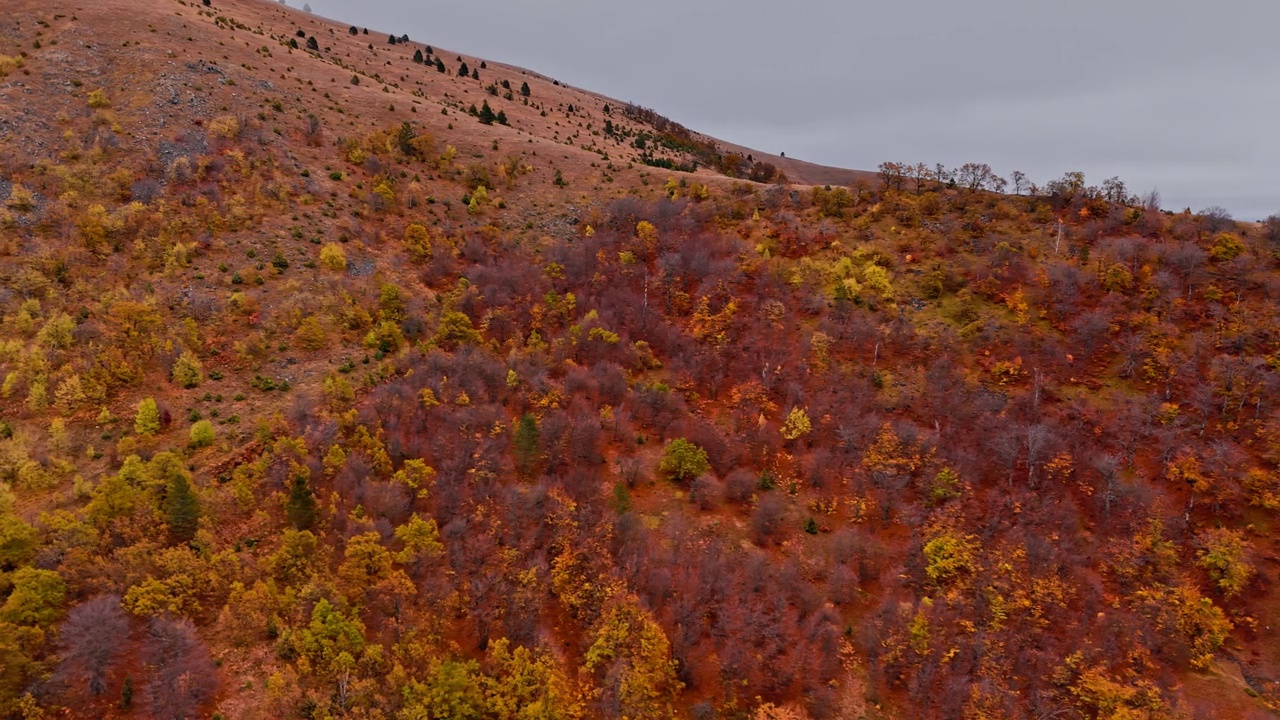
<point x="322" y="396"/>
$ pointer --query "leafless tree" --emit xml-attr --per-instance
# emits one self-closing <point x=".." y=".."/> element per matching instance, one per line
<point x="1090" y="327"/>
<point x="1035" y="440"/>
<point x="94" y="635"/>
<point x="183" y="676"/>
<point x="1006" y="444"/>
<point x="976" y="176"/>
<point x="1107" y="465"/>
<point x="893" y="175"/>
<point x="1271" y="228"/>
<point x="922" y="174"/>
<point x="1020" y="182"/>
<point x="1216" y="219"/>
<point x="1188" y="259"/>
<point x="1130" y="346"/>
<point x="1114" y="190"/>
<point x="767" y="519"/>
<point x="312" y="130"/>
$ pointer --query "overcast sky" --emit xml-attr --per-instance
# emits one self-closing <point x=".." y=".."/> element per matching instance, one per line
<point x="1172" y="95"/>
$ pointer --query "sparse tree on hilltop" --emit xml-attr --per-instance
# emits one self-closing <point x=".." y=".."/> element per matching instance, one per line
<point x="976" y="176"/>
<point x="893" y="176"/>
<point x="1020" y="182"/>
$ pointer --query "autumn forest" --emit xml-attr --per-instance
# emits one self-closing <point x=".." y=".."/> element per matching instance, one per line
<point x="327" y="393"/>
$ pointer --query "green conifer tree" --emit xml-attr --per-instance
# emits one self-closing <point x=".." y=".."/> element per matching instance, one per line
<point x="526" y="445"/>
<point x="300" y="508"/>
<point x="182" y="508"/>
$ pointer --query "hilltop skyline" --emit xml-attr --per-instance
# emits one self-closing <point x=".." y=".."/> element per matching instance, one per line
<point x="1177" y="102"/>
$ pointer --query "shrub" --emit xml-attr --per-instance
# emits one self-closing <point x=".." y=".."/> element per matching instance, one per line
<point x="225" y="126"/>
<point x="98" y="100"/>
<point x="147" y="421"/>
<point x="202" y="434"/>
<point x="21" y="198"/>
<point x="333" y="257"/>
<point x="9" y="64"/>
<point x="187" y="371"/>
<point x="311" y="335"/>
<point x="683" y="460"/>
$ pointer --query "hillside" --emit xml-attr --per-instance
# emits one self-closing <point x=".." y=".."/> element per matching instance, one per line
<point x="323" y="396"/>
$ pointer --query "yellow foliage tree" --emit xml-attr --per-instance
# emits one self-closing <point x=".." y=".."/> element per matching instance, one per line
<point x="417" y="241"/>
<point x="950" y="556"/>
<point x="633" y="651"/>
<point x="147" y="421"/>
<point x="797" y="424"/>
<point x="332" y="256"/>
<point x="1225" y="557"/>
<point x="187" y="370"/>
